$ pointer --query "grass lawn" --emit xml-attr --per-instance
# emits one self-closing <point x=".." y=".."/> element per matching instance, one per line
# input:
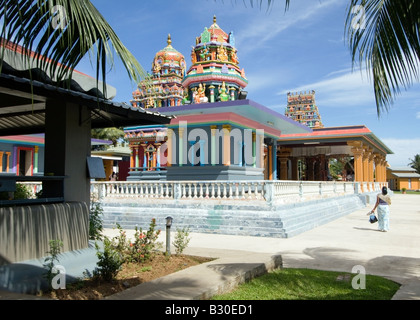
<point x="308" y="284"/>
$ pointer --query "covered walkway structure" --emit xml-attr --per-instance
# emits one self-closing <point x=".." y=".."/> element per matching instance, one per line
<point x="305" y="156"/>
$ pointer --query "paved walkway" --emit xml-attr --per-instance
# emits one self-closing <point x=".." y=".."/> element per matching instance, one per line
<point x="337" y="246"/>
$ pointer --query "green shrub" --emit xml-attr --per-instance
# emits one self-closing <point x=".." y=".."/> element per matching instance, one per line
<point x="49" y="262"/>
<point x="110" y="261"/>
<point x="95" y="221"/>
<point x="22" y="192"/>
<point x="181" y="240"/>
<point x="145" y="244"/>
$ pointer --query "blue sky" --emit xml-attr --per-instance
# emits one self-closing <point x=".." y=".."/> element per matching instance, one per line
<point x="299" y="50"/>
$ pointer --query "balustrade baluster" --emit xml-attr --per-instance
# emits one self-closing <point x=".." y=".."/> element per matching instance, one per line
<point x="230" y="195"/>
<point x="207" y="190"/>
<point x="249" y="191"/>
<point x="167" y="190"/>
<point x="224" y="190"/>
<point x="184" y="195"/>
<point x="191" y="191"/>
<point x="195" y="190"/>
<point x="146" y="190"/>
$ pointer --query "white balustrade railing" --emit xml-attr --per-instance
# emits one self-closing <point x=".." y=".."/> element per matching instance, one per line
<point x="270" y="191"/>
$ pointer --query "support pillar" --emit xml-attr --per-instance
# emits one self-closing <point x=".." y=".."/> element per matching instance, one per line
<point x="284" y="157"/>
<point x="169" y="134"/>
<point x="254" y="150"/>
<point x="136" y="163"/>
<point x="365" y="160"/>
<point x="182" y="148"/>
<point x="371" y="175"/>
<point x="212" y="99"/>
<point x="192" y="148"/>
<point x="213" y="145"/>
<point x="310" y="163"/>
<point x="358" y="151"/>
<point x="274" y="153"/>
<point x="260" y="148"/>
<point x="203" y="160"/>
<point x="36" y="151"/>
<point x="7" y="161"/>
<point x="295" y="169"/>
<point x="1" y="161"/>
<point x="158" y="145"/>
<point x="67" y="146"/>
<point x="132" y="155"/>
<point x="226" y="144"/>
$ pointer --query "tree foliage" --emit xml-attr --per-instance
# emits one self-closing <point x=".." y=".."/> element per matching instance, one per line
<point x="61" y="33"/>
<point x="387" y="42"/>
<point x="113" y="134"/>
<point x="415" y="163"/>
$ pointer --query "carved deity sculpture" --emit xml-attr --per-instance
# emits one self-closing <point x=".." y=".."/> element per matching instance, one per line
<point x="234" y="57"/>
<point x="223" y="95"/>
<point x="200" y="94"/>
<point x="221" y="54"/>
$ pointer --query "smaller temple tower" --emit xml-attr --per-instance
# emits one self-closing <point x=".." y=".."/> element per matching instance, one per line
<point x="162" y="88"/>
<point x="215" y="74"/>
<point x="301" y="107"/>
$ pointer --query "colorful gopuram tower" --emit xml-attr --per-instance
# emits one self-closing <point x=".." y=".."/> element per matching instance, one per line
<point x="215" y="74"/>
<point x="301" y="107"/>
<point x="162" y="88"/>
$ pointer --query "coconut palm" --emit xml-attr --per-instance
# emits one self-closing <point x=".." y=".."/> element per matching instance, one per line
<point x="385" y="37"/>
<point x="415" y="163"/>
<point x="61" y="33"/>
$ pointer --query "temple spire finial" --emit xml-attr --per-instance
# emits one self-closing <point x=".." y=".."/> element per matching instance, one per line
<point x="214" y="19"/>
<point x="169" y="39"/>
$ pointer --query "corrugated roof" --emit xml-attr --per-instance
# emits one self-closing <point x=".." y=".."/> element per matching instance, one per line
<point x="24" y="91"/>
<point x="23" y="112"/>
<point x="406" y="174"/>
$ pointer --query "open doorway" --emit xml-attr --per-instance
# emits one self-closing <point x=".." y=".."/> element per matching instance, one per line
<point x="24" y="161"/>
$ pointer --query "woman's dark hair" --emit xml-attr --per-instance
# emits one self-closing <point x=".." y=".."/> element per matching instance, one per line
<point x="384" y="190"/>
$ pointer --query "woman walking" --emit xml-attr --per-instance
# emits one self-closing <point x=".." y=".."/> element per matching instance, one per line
<point x="383" y="201"/>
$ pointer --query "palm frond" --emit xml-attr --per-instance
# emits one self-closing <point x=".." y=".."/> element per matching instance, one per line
<point x="61" y="33"/>
<point x="383" y="36"/>
<point x="259" y="3"/>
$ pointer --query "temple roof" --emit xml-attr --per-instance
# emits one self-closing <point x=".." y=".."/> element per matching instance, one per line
<point x="169" y="52"/>
<point x="216" y="32"/>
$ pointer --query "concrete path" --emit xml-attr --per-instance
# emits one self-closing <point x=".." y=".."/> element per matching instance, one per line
<point x="337" y="246"/>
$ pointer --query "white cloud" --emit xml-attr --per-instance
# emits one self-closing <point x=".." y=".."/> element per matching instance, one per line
<point x="404" y="150"/>
<point x="418" y="115"/>
<point x="262" y="29"/>
<point x="347" y="89"/>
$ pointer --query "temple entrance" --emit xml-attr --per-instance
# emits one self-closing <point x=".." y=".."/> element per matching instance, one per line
<point x="24" y="162"/>
<point x="151" y="158"/>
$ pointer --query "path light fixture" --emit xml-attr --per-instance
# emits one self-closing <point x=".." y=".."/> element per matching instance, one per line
<point x="168" y="235"/>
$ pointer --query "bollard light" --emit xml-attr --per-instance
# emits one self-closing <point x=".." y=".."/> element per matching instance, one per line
<point x="168" y="235"/>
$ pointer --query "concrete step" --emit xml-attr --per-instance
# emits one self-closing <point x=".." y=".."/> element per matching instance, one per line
<point x="244" y="219"/>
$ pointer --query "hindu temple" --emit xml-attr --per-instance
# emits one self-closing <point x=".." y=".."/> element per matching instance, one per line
<point x="302" y="108"/>
<point x="218" y="133"/>
<point x="214" y="74"/>
<point x="163" y="87"/>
